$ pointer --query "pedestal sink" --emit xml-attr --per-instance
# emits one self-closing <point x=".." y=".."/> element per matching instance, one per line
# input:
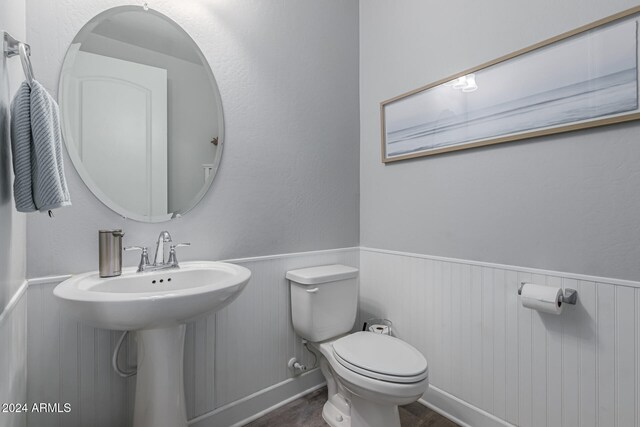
<point x="157" y="305"/>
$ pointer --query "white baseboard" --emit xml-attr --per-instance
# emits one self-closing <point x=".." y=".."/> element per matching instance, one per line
<point x="254" y="406"/>
<point x="265" y="401"/>
<point x="460" y="412"/>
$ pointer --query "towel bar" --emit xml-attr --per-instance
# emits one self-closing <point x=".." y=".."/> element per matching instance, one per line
<point x="13" y="47"/>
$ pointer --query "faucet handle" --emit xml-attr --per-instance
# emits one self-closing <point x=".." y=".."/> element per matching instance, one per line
<point x="173" y="259"/>
<point x="144" y="258"/>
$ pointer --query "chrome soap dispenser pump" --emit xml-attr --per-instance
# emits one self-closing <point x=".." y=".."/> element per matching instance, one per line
<point x="110" y="252"/>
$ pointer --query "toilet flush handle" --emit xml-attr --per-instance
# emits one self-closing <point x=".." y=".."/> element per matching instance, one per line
<point x="312" y="291"/>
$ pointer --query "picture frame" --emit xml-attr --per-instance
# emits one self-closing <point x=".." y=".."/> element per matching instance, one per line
<point x="580" y="79"/>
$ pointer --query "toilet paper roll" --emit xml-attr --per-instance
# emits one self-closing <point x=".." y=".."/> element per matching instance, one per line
<point x="542" y="298"/>
<point x="379" y="329"/>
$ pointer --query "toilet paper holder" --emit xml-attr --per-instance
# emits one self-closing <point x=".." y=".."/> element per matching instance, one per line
<point x="569" y="296"/>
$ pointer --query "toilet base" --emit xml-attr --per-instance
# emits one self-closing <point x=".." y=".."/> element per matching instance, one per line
<point x="344" y="409"/>
<point x="365" y="413"/>
<point x="334" y="416"/>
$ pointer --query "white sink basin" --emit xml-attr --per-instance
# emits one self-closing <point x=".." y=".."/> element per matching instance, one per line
<point x="156" y="299"/>
<point x="157" y="305"/>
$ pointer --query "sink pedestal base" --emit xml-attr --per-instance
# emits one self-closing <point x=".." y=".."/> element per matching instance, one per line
<point x="160" y="379"/>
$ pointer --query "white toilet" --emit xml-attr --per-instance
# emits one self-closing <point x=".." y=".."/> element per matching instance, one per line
<point x="368" y="375"/>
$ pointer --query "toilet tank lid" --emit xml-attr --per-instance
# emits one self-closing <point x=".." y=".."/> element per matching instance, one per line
<point x="322" y="274"/>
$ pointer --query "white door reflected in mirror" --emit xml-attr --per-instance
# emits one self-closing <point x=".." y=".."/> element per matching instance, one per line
<point x="106" y="90"/>
<point x="140" y="113"/>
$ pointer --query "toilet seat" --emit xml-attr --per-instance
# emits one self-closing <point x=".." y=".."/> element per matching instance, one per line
<point x="380" y="357"/>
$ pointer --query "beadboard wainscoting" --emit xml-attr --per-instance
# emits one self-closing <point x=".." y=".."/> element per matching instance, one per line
<point x="235" y="360"/>
<point x="493" y="362"/>
<point x="13" y="358"/>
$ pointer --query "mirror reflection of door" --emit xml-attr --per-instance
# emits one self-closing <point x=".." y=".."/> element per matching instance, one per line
<point x="141" y="114"/>
<point x="121" y="129"/>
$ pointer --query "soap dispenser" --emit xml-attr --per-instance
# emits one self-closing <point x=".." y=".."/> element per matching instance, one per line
<point x="110" y="252"/>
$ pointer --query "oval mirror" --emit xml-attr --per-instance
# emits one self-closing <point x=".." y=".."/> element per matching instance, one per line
<point x="141" y="114"/>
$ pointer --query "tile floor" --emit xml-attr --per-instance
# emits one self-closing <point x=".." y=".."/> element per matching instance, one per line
<point x="307" y="412"/>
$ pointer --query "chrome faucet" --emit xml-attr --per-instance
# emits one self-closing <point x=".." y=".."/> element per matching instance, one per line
<point x="159" y="262"/>
<point x="163" y="238"/>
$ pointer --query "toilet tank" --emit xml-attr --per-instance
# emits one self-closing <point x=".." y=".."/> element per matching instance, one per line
<point x="324" y="300"/>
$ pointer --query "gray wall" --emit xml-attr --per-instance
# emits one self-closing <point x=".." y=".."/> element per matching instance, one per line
<point x="12" y="234"/>
<point x="568" y="202"/>
<point x="288" y="180"/>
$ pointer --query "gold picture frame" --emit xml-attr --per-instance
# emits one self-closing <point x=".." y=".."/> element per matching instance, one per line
<point x="414" y="125"/>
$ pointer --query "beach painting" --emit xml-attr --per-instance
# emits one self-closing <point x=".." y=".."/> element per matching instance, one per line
<point x="583" y="80"/>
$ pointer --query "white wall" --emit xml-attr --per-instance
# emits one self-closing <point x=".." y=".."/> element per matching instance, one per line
<point x="12" y="234"/>
<point x="493" y="362"/>
<point x="12" y="224"/>
<point x="567" y="202"/>
<point x="288" y="180"/>
<point x="235" y="360"/>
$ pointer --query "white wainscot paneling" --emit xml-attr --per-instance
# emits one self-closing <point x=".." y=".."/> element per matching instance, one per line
<point x="493" y="362"/>
<point x="233" y="359"/>
<point x="13" y="358"/>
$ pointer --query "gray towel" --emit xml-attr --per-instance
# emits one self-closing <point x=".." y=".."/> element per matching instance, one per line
<point x="37" y="153"/>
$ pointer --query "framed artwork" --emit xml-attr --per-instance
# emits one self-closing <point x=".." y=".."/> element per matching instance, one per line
<point x="584" y="78"/>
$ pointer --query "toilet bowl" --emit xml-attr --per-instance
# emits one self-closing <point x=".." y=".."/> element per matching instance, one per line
<point x="368" y="380"/>
<point x="368" y="375"/>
